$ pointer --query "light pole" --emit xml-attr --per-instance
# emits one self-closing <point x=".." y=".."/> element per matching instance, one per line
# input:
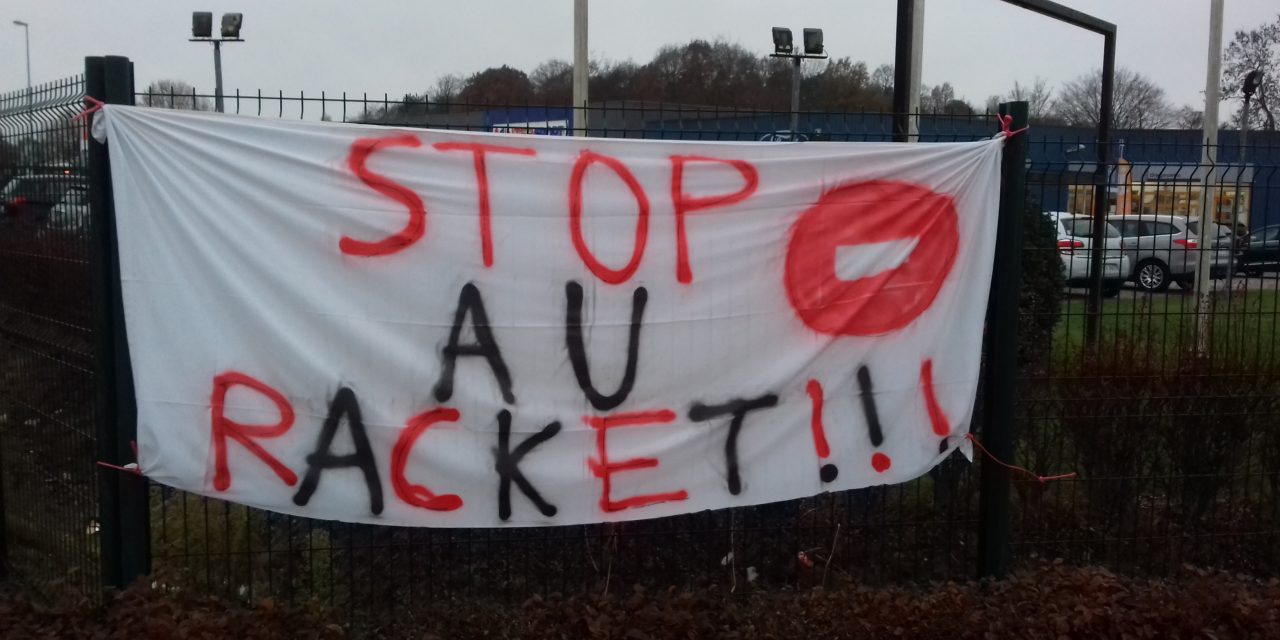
<point x="581" y="68"/>
<point x="783" y="48"/>
<point x="202" y="31"/>
<point x="26" y="31"/>
<point x="1208" y="159"/>
<point x="1250" y="87"/>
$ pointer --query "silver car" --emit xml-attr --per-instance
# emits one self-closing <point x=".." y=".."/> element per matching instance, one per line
<point x="1075" y="244"/>
<point x="28" y="200"/>
<point x="1164" y="250"/>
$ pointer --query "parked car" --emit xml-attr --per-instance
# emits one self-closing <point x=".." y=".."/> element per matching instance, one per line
<point x="1261" y="251"/>
<point x="72" y="211"/>
<point x="1165" y="250"/>
<point x="31" y="200"/>
<point x="1075" y="244"/>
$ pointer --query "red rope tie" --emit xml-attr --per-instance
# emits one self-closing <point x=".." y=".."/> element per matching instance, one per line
<point x="97" y="106"/>
<point x="1042" y="479"/>
<point x="132" y="467"/>
<point x="1006" y="126"/>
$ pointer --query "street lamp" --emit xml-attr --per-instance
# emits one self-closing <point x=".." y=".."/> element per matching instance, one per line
<point x="1250" y="87"/>
<point x="202" y="31"/>
<point x="783" y="47"/>
<point x="26" y="30"/>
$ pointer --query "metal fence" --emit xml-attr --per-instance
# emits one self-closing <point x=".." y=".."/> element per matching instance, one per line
<point x="879" y="534"/>
<point x="47" y="333"/>
<point x="1177" y="448"/>
<point x="1167" y="408"/>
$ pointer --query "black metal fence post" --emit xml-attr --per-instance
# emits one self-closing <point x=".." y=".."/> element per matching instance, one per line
<point x="1101" y="194"/>
<point x="124" y="505"/>
<point x="4" y="527"/>
<point x="1001" y="391"/>
<point x="902" y="72"/>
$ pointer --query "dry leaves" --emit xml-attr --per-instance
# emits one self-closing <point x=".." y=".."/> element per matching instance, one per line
<point x="1052" y="601"/>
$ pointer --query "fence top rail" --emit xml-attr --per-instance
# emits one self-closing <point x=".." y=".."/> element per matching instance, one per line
<point x="57" y="93"/>
<point x="164" y="98"/>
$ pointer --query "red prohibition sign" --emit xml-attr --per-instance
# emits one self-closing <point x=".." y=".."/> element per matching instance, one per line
<point x="877" y="211"/>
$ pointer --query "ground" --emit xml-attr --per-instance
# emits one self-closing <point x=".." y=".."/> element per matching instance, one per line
<point x="1051" y="601"/>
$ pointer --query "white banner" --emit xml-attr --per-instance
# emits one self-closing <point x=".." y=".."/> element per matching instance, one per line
<point x="451" y="329"/>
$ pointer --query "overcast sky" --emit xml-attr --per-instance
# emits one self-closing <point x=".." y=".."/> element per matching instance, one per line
<point x="377" y="46"/>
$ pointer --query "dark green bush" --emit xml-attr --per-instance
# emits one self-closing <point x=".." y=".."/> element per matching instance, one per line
<point x="1212" y="413"/>
<point x="1111" y="404"/>
<point x="1040" y="299"/>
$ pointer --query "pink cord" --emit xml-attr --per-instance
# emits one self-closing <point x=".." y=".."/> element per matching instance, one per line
<point x="132" y="467"/>
<point x="97" y="106"/>
<point x="1006" y="126"/>
<point x="1042" y="479"/>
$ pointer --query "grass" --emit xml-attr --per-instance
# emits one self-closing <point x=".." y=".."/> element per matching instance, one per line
<point x="1163" y="327"/>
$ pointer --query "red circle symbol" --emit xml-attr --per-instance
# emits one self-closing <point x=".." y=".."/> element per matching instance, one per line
<point x="878" y="300"/>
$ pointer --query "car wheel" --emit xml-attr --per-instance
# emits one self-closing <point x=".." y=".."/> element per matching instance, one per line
<point x="1152" y="276"/>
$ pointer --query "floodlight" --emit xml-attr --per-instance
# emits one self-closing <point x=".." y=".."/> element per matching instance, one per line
<point x="781" y="40"/>
<point x="201" y="24"/>
<point x="231" y="24"/>
<point x="813" y="41"/>
<point x="1252" y="82"/>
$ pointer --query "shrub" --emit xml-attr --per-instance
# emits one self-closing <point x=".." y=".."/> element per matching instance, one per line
<point x="1211" y="414"/>
<point x="1040" y="299"/>
<point x="1110" y="404"/>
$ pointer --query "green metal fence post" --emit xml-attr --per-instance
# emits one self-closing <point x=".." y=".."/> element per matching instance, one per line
<point x="1001" y="388"/>
<point x="123" y="497"/>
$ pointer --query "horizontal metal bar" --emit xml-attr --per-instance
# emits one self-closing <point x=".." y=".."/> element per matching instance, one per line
<point x="1066" y="14"/>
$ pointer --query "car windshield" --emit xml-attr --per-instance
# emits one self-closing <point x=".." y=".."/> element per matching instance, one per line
<point x="1083" y="228"/>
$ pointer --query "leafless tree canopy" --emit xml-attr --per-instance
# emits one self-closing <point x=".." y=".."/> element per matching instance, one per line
<point x="1138" y="102"/>
<point x="1188" y="117"/>
<point x="700" y="72"/>
<point x="174" y="94"/>
<point x="1038" y="96"/>
<point x="725" y="74"/>
<point x="1256" y="49"/>
<point x="501" y="85"/>
<point x="447" y="89"/>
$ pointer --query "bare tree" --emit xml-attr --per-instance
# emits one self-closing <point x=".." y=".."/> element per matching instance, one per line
<point x="1138" y="102"/>
<point x="1038" y="96"/>
<point x="882" y="79"/>
<point x="553" y="82"/>
<point x="621" y="81"/>
<point x="446" y="90"/>
<point x="934" y="99"/>
<point x="941" y="99"/>
<point x="1255" y="49"/>
<point x="993" y="104"/>
<point x="843" y="85"/>
<point x="716" y="73"/>
<point x="1188" y="117"/>
<point x="174" y="94"/>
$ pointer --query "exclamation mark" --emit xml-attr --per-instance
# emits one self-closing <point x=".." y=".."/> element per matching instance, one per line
<point x="937" y="418"/>
<point x="827" y="472"/>
<point x="879" y="461"/>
